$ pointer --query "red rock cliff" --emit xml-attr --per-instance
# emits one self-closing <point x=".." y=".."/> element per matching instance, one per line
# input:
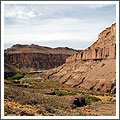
<point x="35" y="57"/>
<point x="103" y="48"/>
<point x="35" y="61"/>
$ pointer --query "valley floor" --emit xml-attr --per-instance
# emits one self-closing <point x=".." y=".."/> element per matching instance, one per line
<point x="34" y="95"/>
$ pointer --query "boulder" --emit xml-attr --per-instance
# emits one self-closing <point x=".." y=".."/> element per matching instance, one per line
<point x="78" y="102"/>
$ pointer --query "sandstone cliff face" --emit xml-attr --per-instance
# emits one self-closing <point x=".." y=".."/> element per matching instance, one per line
<point x="103" y="48"/>
<point x="35" y="57"/>
<point x="93" y="68"/>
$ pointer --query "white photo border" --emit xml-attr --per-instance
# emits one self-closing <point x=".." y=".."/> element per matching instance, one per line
<point x="60" y="2"/>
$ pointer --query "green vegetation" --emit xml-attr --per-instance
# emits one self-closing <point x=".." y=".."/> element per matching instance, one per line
<point x="63" y="93"/>
<point x="15" y="78"/>
<point x="89" y="99"/>
<point x="114" y="100"/>
<point x="46" y="84"/>
<point x="15" y="81"/>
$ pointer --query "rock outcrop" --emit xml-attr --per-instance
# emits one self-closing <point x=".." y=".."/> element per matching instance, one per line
<point x="34" y="57"/>
<point x="93" y="68"/>
<point x="103" y="48"/>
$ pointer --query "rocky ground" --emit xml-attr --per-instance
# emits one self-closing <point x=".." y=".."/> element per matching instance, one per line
<point x="35" y="95"/>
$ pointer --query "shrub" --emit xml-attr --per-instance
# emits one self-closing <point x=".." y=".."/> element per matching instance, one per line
<point x="49" y="109"/>
<point x="32" y="101"/>
<point x="89" y="99"/>
<point x="114" y="100"/>
<point x="16" y="77"/>
<point x="63" y="93"/>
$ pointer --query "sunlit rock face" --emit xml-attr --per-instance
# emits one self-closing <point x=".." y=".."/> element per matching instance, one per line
<point x="103" y="48"/>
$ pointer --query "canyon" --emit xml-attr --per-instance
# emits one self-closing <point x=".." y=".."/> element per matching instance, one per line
<point x="43" y="81"/>
<point x="93" y="68"/>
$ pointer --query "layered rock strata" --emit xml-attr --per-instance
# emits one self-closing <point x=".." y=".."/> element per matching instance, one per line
<point x="103" y="48"/>
<point x="35" y="61"/>
<point x="34" y="57"/>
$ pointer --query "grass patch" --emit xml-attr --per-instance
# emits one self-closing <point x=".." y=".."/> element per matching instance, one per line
<point x="89" y="99"/>
<point x="63" y="93"/>
<point x="46" y="84"/>
<point x="16" y="77"/>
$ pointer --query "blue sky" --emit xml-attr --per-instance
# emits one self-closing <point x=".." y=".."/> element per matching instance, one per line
<point x="60" y="25"/>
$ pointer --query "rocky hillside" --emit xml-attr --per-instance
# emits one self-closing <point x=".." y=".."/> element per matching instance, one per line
<point x="92" y="69"/>
<point x="34" y="57"/>
<point x="10" y="70"/>
<point x="103" y="48"/>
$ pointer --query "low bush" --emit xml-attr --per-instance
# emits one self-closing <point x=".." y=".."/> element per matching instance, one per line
<point x="63" y="93"/>
<point x="89" y="99"/>
<point x="49" y="109"/>
<point x="114" y="100"/>
<point x="32" y="101"/>
<point x="15" y="78"/>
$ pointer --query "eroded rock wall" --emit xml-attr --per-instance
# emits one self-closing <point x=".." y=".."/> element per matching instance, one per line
<point x="35" y="61"/>
<point x="103" y="48"/>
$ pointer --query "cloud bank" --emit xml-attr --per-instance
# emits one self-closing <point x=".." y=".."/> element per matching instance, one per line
<point x="56" y="25"/>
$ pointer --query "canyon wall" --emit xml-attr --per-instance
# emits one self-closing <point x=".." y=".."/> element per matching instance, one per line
<point x="35" y="57"/>
<point x="103" y="48"/>
<point x="35" y="61"/>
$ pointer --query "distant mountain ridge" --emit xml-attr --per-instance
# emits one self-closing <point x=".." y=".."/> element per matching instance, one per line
<point x="19" y="48"/>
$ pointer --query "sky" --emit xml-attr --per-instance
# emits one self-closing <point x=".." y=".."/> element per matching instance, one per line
<point x="56" y="25"/>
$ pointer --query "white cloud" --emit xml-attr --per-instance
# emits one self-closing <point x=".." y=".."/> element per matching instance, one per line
<point x="94" y="6"/>
<point x="20" y="13"/>
<point x="54" y="29"/>
<point x="26" y="12"/>
<point x="58" y="23"/>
